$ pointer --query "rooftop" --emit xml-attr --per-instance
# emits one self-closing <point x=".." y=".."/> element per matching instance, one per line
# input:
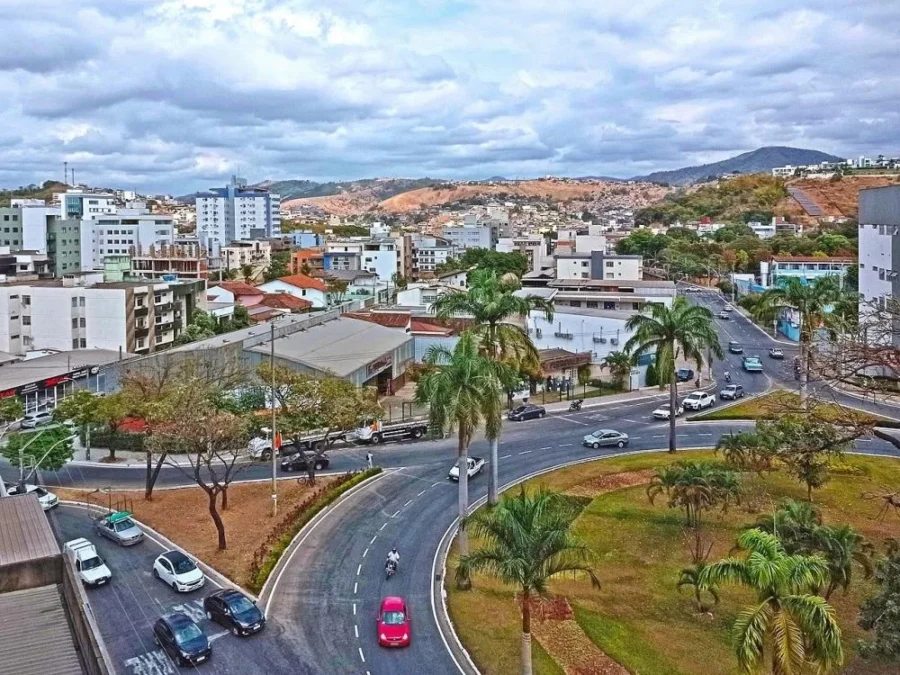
<point x="610" y="283"/>
<point x="813" y="259"/>
<point x="54" y="365"/>
<point x="34" y="634"/>
<point x="341" y="346"/>
<point x="239" y="288"/>
<point x="285" y="301"/>
<point x="304" y="281"/>
<point x="25" y="533"/>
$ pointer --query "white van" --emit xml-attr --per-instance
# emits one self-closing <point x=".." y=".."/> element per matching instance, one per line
<point x="88" y="564"/>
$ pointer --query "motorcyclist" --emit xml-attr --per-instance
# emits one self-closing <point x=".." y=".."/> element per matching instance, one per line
<point x="393" y="557"/>
<point x="728" y="376"/>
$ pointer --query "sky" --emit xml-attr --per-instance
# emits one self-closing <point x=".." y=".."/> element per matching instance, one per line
<point x="177" y="95"/>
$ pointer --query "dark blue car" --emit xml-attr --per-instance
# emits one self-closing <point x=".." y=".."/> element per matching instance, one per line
<point x="182" y="639"/>
<point x="235" y="611"/>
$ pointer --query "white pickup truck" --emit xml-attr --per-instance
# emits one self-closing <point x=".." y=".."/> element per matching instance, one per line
<point x="475" y="465"/>
<point x="88" y="564"/>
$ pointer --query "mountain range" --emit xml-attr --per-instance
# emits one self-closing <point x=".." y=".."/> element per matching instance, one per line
<point x="762" y="160"/>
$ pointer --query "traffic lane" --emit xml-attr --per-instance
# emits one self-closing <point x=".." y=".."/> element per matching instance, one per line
<point x="130" y="603"/>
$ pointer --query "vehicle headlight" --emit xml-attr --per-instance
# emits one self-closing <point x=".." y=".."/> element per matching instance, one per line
<point x="405" y="636"/>
<point x="383" y="636"/>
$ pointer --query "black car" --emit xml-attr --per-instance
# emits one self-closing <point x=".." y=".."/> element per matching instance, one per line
<point x="526" y="412"/>
<point x="182" y="639"/>
<point x="735" y="347"/>
<point x="235" y="611"/>
<point x="684" y="375"/>
<point x="299" y="462"/>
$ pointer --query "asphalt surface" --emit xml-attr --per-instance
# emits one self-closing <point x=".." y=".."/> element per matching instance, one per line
<point x="322" y="610"/>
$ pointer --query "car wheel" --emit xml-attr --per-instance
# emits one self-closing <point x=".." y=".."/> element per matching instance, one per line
<point x="595" y="446"/>
<point x="417" y="433"/>
<point x="156" y="573"/>
<point x="235" y="631"/>
<point x="266" y="455"/>
<point x="318" y="466"/>
<point x="209" y="616"/>
<point x="541" y="414"/>
<point x="376" y="439"/>
<point x="621" y="444"/>
<point x="174" y="587"/>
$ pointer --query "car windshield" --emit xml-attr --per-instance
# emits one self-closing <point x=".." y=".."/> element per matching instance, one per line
<point x="40" y="492"/>
<point x="123" y="525"/>
<point x="598" y="433"/>
<point x="184" y="565"/>
<point x="664" y="406"/>
<point x="393" y="618"/>
<point x="91" y="563"/>
<point x="239" y="604"/>
<point x="187" y="633"/>
<point x="519" y="409"/>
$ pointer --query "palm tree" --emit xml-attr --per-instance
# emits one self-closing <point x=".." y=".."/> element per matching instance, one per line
<point x="789" y="625"/>
<point x="811" y="302"/>
<point x="463" y="390"/>
<point x="490" y="301"/>
<point x="692" y="576"/>
<point x="682" y="330"/>
<point x="748" y="451"/>
<point x="247" y="272"/>
<point x="527" y="542"/>
<point x="619" y="364"/>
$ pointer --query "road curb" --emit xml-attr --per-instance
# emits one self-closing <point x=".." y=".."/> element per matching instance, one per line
<point x="730" y="404"/>
<point x="161" y="539"/>
<point x="271" y="584"/>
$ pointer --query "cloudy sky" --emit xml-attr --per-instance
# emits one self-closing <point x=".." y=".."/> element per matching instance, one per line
<point x="176" y="95"/>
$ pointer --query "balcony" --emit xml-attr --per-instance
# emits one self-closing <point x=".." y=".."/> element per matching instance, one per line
<point x="141" y="311"/>
<point x="164" y="326"/>
<point x="164" y="307"/>
<point x="141" y="331"/>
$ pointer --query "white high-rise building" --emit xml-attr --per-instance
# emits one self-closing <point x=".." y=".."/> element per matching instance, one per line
<point x="117" y="232"/>
<point x="78" y="205"/>
<point x="879" y="255"/>
<point x="237" y="213"/>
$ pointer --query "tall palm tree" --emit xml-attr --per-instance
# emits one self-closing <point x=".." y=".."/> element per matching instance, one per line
<point x="789" y="626"/>
<point x="811" y="301"/>
<point x="682" y="330"/>
<point x="527" y="542"/>
<point x="463" y="392"/>
<point x="490" y="301"/>
<point x="619" y="364"/>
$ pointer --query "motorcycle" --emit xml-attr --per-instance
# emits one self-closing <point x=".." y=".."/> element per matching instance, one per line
<point x="576" y="405"/>
<point x="728" y="377"/>
<point x="389" y="569"/>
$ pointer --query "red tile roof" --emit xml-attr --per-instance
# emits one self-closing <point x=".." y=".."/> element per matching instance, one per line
<point x="285" y="301"/>
<point x="239" y="288"/>
<point x="303" y="281"/>
<point x="416" y="326"/>
<point x="387" y="319"/>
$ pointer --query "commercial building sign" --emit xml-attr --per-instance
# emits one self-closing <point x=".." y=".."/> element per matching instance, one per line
<point x="49" y="382"/>
<point x="378" y="365"/>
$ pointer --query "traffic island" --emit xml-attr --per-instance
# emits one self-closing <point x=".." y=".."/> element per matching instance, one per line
<point x="638" y="618"/>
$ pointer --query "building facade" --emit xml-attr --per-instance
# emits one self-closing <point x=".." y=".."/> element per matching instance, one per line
<point x="599" y="265"/>
<point x="114" y="234"/>
<point x="235" y="212"/>
<point x="879" y="252"/>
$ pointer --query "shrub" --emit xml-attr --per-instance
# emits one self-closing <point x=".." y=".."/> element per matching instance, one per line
<point x="122" y="440"/>
<point x="652" y="378"/>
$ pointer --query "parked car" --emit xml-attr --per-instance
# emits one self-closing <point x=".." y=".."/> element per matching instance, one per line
<point x="299" y="462"/>
<point x="735" y="347"/>
<point x="775" y="353"/>
<point x="603" y="437"/>
<point x="698" y="400"/>
<point x="235" y="611"/>
<point x="526" y="411"/>
<point x="732" y="391"/>
<point x="724" y="316"/>
<point x="182" y="639"/>
<point x="89" y="566"/>
<point x="684" y="375"/>
<point x="475" y="466"/>
<point x="664" y="411"/>
<point x="120" y="528"/>
<point x="175" y="569"/>
<point x="394" y="628"/>
<point x="37" y="419"/>
<point x="752" y="364"/>
<point x="728" y="308"/>
<point x="47" y="499"/>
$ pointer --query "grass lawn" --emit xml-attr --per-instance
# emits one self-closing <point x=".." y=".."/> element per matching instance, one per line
<point x="770" y="405"/>
<point x="638" y="617"/>
<point x="183" y="516"/>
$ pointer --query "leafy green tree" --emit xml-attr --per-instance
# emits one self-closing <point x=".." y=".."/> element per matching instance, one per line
<point x="881" y="612"/>
<point x="247" y="273"/>
<point x="83" y="408"/>
<point x="202" y="326"/>
<point x="693" y="577"/>
<point x="527" y="541"/>
<point x="11" y="409"/>
<point x="490" y="301"/>
<point x="240" y="318"/>
<point x="748" y="451"/>
<point x="652" y="377"/>
<point x="682" y="331"/>
<point x="789" y="627"/>
<point x="811" y="302"/>
<point x="46" y="449"/>
<point x="337" y="290"/>
<point x="619" y="365"/>
<point x="279" y="266"/>
<point x="463" y="391"/>
<point x="496" y="261"/>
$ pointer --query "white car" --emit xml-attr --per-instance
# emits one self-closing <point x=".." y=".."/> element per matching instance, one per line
<point x="88" y="564"/>
<point x="37" y="419"/>
<point x="664" y="411"/>
<point x="175" y="569"/>
<point x="698" y="400"/>
<point x="47" y="499"/>
<point x="475" y="465"/>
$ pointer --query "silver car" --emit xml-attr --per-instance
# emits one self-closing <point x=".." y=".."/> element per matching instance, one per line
<point x="120" y="528"/>
<point x="605" y="437"/>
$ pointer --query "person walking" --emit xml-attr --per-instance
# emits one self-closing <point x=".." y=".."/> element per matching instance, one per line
<point x="369" y="459"/>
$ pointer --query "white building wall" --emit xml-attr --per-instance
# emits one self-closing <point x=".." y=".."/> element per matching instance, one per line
<point x="583" y="330"/>
<point x="626" y="269"/>
<point x="573" y="268"/>
<point x="382" y="263"/>
<point x="52" y="313"/>
<point x="874" y="256"/>
<point x="34" y="226"/>
<point x="585" y="243"/>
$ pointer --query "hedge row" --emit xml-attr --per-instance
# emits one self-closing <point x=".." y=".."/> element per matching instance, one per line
<point x="270" y="551"/>
<point x="122" y="440"/>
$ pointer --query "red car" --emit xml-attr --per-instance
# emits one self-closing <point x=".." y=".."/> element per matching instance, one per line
<point x="394" y="628"/>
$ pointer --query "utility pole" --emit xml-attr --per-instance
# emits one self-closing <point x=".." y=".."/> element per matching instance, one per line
<point x="275" y="449"/>
<point x="733" y="285"/>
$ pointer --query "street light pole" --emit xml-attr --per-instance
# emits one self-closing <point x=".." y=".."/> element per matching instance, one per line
<point x="275" y="450"/>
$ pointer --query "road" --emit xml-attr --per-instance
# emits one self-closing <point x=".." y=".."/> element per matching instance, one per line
<point x="322" y="610"/>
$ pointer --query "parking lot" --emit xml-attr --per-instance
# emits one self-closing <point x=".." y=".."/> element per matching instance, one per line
<point x="128" y="606"/>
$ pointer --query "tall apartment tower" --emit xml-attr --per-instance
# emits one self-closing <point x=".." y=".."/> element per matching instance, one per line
<point x="879" y="254"/>
<point x="236" y="213"/>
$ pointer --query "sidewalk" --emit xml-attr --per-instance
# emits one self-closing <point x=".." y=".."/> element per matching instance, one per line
<point x="124" y="458"/>
<point x="642" y="394"/>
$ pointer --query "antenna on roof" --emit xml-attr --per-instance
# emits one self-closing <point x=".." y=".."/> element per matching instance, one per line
<point x="65" y="173"/>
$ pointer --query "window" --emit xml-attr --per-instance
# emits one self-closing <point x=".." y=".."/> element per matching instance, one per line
<point x="82" y="322"/>
<point x="26" y="300"/>
<point x="636" y="306"/>
<point x="74" y="302"/>
<point x="74" y="323"/>
<point x="881" y="274"/>
<point x="609" y="263"/>
<point x="609" y="304"/>
<point x="575" y="303"/>
<point x="74" y="343"/>
<point x="592" y="304"/>
<point x="81" y="301"/>
<point x="82" y="343"/>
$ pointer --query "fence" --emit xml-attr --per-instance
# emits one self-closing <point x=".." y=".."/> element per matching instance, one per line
<point x="575" y="391"/>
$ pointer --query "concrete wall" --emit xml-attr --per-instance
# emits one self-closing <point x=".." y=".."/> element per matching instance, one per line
<point x="34" y="573"/>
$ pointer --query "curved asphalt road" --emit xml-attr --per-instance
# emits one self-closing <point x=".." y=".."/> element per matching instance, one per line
<point x="325" y="601"/>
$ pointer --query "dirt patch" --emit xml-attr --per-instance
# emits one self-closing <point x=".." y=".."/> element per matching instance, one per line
<point x="614" y="481"/>
<point x="182" y="515"/>
<point x="573" y="650"/>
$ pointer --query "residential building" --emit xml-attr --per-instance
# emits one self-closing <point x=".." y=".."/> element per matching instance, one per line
<point x="35" y="217"/>
<point x="312" y="259"/>
<point x="428" y="252"/>
<point x="532" y="246"/>
<point x="19" y="265"/>
<point x="85" y="312"/>
<point x="585" y="243"/>
<point x="115" y="233"/>
<point x="628" y="296"/>
<point x="599" y="265"/>
<point x="237" y="292"/>
<point x="806" y="268"/>
<point x="240" y="253"/>
<point x="361" y="285"/>
<point x="80" y="205"/>
<point x="169" y="262"/>
<point x="423" y="294"/>
<point x="11" y="227"/>
<point x="763" y="231"/>
<point x="879" y="253"/>
<point x="786" y="229"/>
<point x="300" y="286"/>
<point x="235" y="212"/>
<point x="466" y="236"/>
<point x="307" y="239"/>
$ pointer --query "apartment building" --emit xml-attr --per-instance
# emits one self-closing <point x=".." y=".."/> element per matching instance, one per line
<point x="168" y="262"/>
<point x="30" y="225"/>
<point x="11" y="227"/>
<point x="237" y="213"/>
<point x="23" y="265"/>
<point x="115" y="233"/>
<point x="239" y="253"/>
<point x="428" y="252"/>
<point x="805" y="268"/>
<point x="380" y="256"/>
<point x="879" y="251"/>
<point x="84" y="312"/>
<point x="464" y="237"/>
<point x="599" y="265"/>
<point x="532" y="246"/>
<point x="80" y="205"/>
<point x="628" y="296"/>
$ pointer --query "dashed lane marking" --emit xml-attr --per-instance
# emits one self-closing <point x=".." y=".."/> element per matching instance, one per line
<point x="382" y="527"/>
<point x="422" y="492"/>
<point x="372" y="541"/>
<point x="354" y="609"/>
<point x="358" y="569"/>
<point x="365" y="553"/>
<point x="504" y="456"/>
<point x="356" y="630"/>
<point x="565" y="445"/>
<point x="395" y="513"/>
<point x="361" y="655"/>
<point x="625" y="419"/>
<point x="549" y="447"/>
<point x="565" y="417"/>
<point x="407" y="503"/>
<point x="526" y="452"/>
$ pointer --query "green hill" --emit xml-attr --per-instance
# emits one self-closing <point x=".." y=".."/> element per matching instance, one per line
<point x="44" y="192"/>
